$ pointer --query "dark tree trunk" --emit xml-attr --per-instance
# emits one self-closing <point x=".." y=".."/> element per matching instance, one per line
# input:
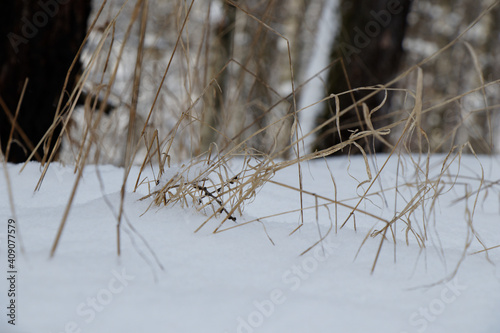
<point x="39" y="40"/>
<point x="370" y="45"/>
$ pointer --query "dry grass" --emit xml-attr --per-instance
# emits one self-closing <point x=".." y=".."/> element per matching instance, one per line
<point x="187" y="116"/>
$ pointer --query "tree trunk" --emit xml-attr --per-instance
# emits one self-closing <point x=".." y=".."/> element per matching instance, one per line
<point x="370" y="46"/>
<point x="221" y="52"/>
<point x="39" y="41"/>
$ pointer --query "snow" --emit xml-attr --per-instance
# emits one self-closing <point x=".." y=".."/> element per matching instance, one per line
<point x="237" y="280"/>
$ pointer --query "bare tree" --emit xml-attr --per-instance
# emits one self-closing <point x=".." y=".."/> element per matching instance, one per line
<point x="367" y="52"/>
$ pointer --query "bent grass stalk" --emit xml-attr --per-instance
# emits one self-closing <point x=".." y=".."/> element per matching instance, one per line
<point x="205" y="181"/>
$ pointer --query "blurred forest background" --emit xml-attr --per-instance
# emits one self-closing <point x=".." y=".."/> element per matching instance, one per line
<point x="216" y="74"/>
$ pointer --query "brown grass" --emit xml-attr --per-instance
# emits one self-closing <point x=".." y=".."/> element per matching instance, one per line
<point x="171" y="123"/>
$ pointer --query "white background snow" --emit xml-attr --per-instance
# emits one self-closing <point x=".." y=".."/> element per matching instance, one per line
<point x="237" y="280"/>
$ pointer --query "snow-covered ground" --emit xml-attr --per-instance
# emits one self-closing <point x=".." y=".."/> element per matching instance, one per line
<point x="238" y="280"/>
